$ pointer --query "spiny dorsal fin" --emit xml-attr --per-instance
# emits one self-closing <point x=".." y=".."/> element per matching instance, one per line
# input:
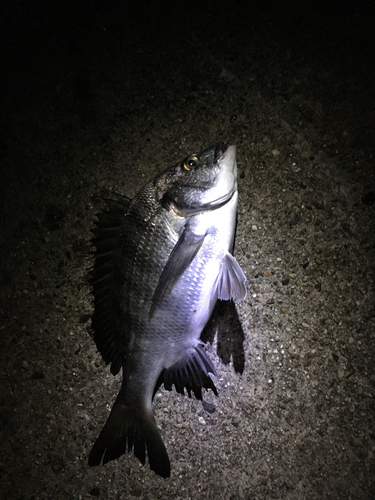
<point x="107" y="235"/>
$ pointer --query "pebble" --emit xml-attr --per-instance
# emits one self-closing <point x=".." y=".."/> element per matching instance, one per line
<point x="294" y="168"/>
<point x="209" y="407"/>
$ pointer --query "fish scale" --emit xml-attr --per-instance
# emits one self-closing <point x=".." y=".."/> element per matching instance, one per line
<point x="161" y="262"/>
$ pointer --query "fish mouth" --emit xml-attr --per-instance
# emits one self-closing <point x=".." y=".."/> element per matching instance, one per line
<point x="220" y="148"/>
<point x="228" y="159"/>
<point x="223" y="157"/>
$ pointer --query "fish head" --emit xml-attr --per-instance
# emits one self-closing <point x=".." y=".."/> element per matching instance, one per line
<point x="201" y="182"/>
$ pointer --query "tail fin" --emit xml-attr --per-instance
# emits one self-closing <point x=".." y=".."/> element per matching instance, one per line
<point x="128" y="428"/>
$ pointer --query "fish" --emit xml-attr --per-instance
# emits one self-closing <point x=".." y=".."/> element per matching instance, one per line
<point x="162" y="260"/>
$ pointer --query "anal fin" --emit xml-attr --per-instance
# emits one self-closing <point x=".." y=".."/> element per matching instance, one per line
<point x="191" y="373"/>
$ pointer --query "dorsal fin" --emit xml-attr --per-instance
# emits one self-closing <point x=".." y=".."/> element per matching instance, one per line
<point x="107" y="236"/>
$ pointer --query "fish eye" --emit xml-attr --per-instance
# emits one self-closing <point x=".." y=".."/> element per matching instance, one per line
<point x="191" y="162"/>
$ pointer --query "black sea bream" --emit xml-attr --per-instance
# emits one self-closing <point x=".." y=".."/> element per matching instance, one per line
<point x="162" y="260"/>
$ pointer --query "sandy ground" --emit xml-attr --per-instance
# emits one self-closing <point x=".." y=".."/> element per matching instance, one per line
<point x="100" y="98"/>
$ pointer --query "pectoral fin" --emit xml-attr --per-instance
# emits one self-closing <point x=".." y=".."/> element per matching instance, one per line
<point x="180" y="259"/>
<point x="231" y="280"/>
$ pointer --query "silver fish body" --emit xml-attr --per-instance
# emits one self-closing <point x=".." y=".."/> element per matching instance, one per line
<point x="161" y="262"/>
